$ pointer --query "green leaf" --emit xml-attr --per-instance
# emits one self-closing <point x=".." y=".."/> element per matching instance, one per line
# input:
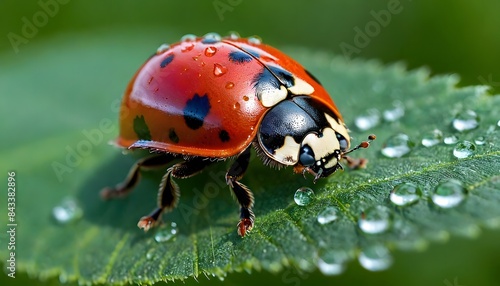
<point x="62" y="110"/>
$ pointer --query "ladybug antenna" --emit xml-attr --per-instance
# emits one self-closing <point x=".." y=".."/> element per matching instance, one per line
<point x="364" y="144"/>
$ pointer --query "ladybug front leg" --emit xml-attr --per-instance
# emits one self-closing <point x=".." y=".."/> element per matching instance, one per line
<point x="134" y="175"/>
<point x="242" y="192"/>
<point x="168" y="193"/>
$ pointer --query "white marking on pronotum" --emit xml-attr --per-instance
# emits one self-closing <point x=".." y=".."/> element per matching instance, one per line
<point x="271" y="96"/>
<point x="339" y="127"/>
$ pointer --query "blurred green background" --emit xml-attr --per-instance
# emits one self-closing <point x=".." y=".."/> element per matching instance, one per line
<point x="448" y="36"/>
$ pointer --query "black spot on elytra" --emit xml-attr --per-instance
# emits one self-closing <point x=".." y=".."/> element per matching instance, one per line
<point x="272" y="78"/>
<point x="172" y="135"/>
<point x="252" y="52"/>
<point x="240" y="57"/>
<point x="312" y="76"/>
<point x="141" y="128"/>
<point x="224" y="136"/>
<point x="166" y="61"/>
<point x="195" y="111"/>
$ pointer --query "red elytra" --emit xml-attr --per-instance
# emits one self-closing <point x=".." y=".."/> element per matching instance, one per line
<point x="160" y="92"/>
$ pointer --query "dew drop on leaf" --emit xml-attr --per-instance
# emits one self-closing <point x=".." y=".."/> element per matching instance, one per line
<point x="452" y="139"/>
<point x="466" y="120"/>
<point x="405" y="194"/>
<point x="303" y="196"/>
<point x="367" y="121"/>
<point x="375" y="219"/>
<point x="166" y="232"/>
<point x="432" y="138"/>
<point x="328" y="214"/>
<point x="67" y="211"/>
<point x="375" y="258"/>
<point x="448" y="194"/>
<point x="397" y="146"/>
<point x="480" y="140"/>
<point x="395" y="113"/>
<point x="150" y="254"/>
<point x="332" y="261"/>
<point x="464" y="149"/>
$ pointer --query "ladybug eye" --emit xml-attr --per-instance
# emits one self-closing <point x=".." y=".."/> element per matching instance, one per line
<point x="306" y="156"/>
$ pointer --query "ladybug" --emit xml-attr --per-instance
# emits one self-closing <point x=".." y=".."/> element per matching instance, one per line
<point x="212" y="98"/>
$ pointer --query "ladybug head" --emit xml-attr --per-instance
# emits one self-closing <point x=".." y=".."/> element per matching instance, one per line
<point x="304" y="133"/>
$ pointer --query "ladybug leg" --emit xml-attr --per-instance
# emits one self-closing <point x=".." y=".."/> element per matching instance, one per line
<point x="242" y="192"/>
<point x="168" y="193"/>
<point x="134" y="175"/>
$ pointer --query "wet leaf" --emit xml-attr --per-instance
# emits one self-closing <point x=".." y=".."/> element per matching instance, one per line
<point x="62" y="110"/>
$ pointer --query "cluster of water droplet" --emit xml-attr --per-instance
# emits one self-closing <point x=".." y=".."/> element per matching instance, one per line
<point x="372" y="117"/>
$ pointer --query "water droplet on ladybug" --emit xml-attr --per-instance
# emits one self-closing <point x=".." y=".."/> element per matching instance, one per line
<point x="236" y="105"/>
<point x="210" y="51"/>
<point x="229" y="85"/>
<point x="465" y="121"/>
<point x="233" y="35"/>
<point x="166" y="232"/>
<point x="150" y="80"/>
<point x="67" y="211"/>
<point x="464" y="149"/>
<point x="163" y="48"/>
<point x="188" y="38"/>
<point x="212" y="37"/>
<point x="246" y="98"/>
<point x="219" y="70"/>
<point x="303" y="196"/>
<point x="448" y="194"/>
<point x="255" y="40"/>
<point x="397" y="146"/>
